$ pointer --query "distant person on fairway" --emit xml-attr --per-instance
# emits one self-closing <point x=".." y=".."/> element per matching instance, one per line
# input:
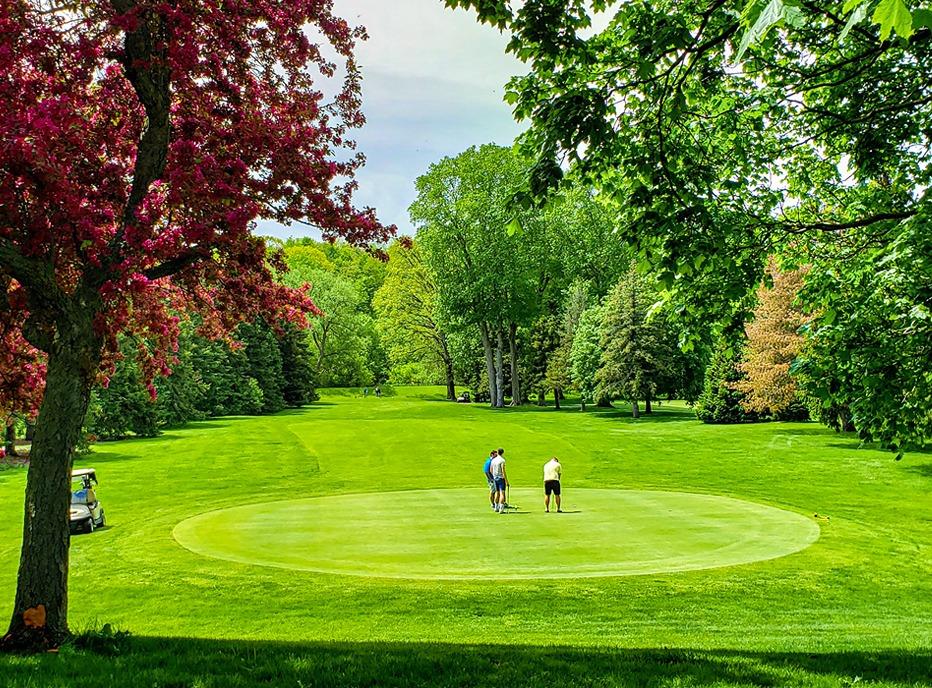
<point x="552" y="473"/>
<point x="487" y="469"/>
<point x="501" y="480"/>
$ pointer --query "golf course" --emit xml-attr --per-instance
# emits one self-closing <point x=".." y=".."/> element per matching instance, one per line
<point x="351" y="542"/>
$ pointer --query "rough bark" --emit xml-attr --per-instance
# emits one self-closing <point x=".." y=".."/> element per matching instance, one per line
<point x="647" y="406"/>
<point x="556" y="398"/>
<point x="40" y="614"/>
<point x="499" y="369"/>
<point x="489" y="361"/>
<point x="635" y="411"/>
<point x="515" y="373"/>
<point x="10" y="438"/>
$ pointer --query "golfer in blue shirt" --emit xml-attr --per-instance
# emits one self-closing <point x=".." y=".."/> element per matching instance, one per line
<point x="487" y="469"/>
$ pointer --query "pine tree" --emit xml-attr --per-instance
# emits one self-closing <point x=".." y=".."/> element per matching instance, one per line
<point x="636" y="353"/>
<point x="297" y="370"/>
<point x="774" y="342"/>
<point x="720" y="402"/>
<point x="265" y="363"/>
<point x="586" y="353"/>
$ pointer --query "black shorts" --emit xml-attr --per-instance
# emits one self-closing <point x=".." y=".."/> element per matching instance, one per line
<point x="551" y="487"/>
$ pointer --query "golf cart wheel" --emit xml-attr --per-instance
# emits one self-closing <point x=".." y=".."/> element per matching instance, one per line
<point x="103" y="520"/>
<point x="90" y="525"/>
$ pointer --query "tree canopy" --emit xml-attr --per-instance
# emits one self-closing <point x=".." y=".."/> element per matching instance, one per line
<point x="141" y="141"/>
<point x="814" y="144"/>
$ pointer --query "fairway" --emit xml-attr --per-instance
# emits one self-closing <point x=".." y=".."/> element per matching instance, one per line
<point x="452" y="534"/>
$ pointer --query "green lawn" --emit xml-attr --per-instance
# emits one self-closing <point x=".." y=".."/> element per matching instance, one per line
<point x="853" y="607"/>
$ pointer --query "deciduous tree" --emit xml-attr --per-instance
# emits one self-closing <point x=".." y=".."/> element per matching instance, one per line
<point x="408" y="314"/>
<point x="141" y="139"/>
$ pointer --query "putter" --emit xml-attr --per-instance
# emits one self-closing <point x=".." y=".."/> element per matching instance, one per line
<point x="508" y="504"/>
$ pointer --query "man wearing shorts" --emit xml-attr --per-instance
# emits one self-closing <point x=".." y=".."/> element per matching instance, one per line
<point x="552" y="472"/>
<point x="487" y="469"/>
<point x="497" y="467"/>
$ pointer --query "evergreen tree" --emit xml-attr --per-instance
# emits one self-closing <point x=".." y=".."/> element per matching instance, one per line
<point x="298" y="388"/>
<point x="264" y="363"/>
<point x="636" y="353"/>
<point x="586" y="354"/>
<point x="774" y="342"/>
<point x="123" y="405"/>
<point x="229" y="389"/>
<point x="720" y="402"/>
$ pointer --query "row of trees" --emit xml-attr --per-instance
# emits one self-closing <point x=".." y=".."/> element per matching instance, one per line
<point x="726" y="132"/>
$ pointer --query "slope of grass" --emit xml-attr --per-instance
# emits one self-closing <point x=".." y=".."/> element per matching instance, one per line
<point x="857" y="603"/>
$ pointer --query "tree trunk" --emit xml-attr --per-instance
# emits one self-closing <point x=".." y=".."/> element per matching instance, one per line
<point x="451" y="384"/>
<point x="499" y="369"/>
<point x="30" y="430"/>
<point x="556" y="398"/>
<point x="541" y="397"/>
<point x="40" y="614"/>
<point x="10" y="438"/>
<point x="635" y="411"/>
<point x="447" y="368"/>
<point x="515" y="374"/>
<point x="647" y="406"/>
<point x="489" y="361"/>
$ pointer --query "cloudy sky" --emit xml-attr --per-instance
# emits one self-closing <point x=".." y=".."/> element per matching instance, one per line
<point x="433" y="85"/>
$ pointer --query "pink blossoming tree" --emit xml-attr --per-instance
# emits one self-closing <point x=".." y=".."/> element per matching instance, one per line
<point x="140" y="140"/>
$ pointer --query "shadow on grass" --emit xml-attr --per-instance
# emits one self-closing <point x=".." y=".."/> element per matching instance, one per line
<point x="661" y="414"/>
<point x="177" y="662"/>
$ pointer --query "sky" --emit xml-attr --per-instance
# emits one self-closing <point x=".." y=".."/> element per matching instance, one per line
<point x="433" y="82"/>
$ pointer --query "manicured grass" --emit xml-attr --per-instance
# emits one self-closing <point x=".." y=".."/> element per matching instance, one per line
<point x="856" y="603"/>
<point x="447" y="534"/>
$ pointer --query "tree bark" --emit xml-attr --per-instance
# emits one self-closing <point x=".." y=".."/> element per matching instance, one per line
<point x="448" y="368"/>
<point x="489" y="361"/>
<point x="40" y="614"/>
<point x="499" y="369"/>
<point x="541" y="397"/>
<point x="515" y="374"/>
<point x="10" y="437"/>
<point x="647" y="406"/>
<point x="556" y="398"/>
<point x="635" y="411"/>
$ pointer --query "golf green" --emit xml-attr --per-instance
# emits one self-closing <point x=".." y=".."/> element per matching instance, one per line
<point x="453" y="534"/>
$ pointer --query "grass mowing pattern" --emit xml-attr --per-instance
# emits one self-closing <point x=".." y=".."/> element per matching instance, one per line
<point x="855" y="608"/>
<point x="452" y="534"/>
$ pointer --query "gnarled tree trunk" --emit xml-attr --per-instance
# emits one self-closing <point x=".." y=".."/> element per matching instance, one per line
<point x="40" y="614"/>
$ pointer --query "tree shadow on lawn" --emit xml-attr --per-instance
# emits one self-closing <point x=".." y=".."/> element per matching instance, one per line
<point x="177" y="662"/>
<point x="661" y="414"/>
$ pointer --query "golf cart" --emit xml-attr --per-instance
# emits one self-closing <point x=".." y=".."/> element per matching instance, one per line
<point x="86" y="511"/>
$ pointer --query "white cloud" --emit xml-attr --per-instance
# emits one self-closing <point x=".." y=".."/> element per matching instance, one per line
<point x="433" y="81"/>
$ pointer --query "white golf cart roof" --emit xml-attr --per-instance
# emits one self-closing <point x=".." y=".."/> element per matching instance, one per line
<point x="80" y="472"/>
